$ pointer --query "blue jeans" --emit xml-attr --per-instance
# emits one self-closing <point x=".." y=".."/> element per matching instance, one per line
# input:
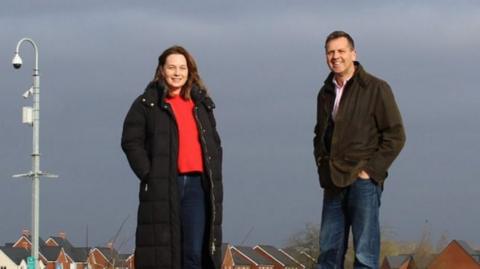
<point x="356" y="206"/>
<point x="192" y="199"/>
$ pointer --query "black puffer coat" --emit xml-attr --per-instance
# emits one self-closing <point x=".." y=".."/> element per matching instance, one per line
<point x="150" y="141"/>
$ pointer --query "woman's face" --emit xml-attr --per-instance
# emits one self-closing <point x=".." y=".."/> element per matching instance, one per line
<point x="175" y="72"/>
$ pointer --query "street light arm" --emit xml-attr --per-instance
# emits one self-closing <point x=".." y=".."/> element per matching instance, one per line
<point x="35" y="48"/>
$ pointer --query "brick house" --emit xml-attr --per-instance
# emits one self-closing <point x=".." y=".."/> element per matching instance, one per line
<point x="233" y="259"/>
<point x="54" y="258"/>
<point x="256" y="260"/>
<point x="108" y="257"/>
<point x="280" y="260"/>
<point x="399" y="262"/>
<point x="458" y="254"/>
<point x="25" y="241"/>
<point x="300" y="257"/>
<point x="77" y="256"/>
<point x="130" y="261"/>
<point x="97" y="259"/>
<point x="13" y="258"/>
<point x="58" y="253"/>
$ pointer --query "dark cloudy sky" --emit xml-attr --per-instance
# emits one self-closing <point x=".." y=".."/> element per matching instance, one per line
<point x="263" y="62"/>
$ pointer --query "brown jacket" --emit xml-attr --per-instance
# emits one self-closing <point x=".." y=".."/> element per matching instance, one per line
<point x="368" y="133"/>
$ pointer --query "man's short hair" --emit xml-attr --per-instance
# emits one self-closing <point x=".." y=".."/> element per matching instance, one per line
<point x="339" y="34"/>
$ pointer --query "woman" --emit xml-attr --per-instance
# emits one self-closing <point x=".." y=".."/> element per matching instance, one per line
<point x="172" y="145"/>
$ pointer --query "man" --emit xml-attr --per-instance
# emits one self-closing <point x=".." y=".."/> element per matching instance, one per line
<point x="358" y="134"/>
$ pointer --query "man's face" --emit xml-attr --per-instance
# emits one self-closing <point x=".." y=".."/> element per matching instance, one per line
<point x="340" y="57"/>
<point x="175" y="72"/>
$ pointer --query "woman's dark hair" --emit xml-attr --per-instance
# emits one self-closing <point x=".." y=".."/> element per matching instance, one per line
<point x="193" y="76"/>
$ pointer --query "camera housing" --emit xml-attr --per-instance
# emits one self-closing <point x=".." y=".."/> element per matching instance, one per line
<point x="17" y="61"/>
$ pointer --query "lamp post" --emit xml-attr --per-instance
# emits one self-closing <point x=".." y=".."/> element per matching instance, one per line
<point x="32" y="117"/>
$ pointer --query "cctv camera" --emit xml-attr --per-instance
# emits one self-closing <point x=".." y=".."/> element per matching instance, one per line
<point x="28" y="93"/>
<point x="17" y="61"/>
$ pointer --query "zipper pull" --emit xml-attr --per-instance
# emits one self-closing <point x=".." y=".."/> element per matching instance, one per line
<point x="146" y="187"/>
<point x="213" y="247"/>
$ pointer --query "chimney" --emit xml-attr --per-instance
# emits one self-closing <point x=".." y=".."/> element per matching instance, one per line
<point x="110" y="245"/>
<point x="26" y="232"/>
<point x="62" y="235"/>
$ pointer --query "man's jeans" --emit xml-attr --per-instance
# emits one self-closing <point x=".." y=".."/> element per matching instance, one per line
<point x="193" y="219"/>
<point x="356" y="206"/>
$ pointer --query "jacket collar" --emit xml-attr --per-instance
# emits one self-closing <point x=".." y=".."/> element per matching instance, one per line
<point x="153" y="94"/>
<point x="359" y="76"/>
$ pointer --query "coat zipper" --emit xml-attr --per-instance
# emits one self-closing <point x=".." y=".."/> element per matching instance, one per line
<point x="212" y="195"/>
<point x="212" y="200"/>
<point x="167" y="107"/>
<point x="327" y="110"/>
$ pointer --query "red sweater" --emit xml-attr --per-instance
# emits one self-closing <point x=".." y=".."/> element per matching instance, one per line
<point x="189" y="148"/>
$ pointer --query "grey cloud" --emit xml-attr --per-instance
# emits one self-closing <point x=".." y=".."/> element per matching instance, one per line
<point x="263" y="62"/>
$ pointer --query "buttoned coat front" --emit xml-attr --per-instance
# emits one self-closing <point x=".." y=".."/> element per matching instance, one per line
<point x="150" y="142"/>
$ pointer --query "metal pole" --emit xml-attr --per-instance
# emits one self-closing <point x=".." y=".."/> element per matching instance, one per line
<point x="35" y="173"/>
<point x="35" y="153"/>
<point x="36" y="159"/>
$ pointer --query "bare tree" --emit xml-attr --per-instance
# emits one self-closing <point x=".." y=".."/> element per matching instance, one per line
<point x="306" y="240"/>
<point x="442" y="242"/>
<point x="424" y="250"/>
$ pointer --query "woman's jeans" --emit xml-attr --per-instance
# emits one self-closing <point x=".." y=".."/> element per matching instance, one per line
<point x="193" y="217"/>
<point x="356" y="206"/>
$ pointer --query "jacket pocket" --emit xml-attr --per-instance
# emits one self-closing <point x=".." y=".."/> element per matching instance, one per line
<point x="348" y="165"/>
